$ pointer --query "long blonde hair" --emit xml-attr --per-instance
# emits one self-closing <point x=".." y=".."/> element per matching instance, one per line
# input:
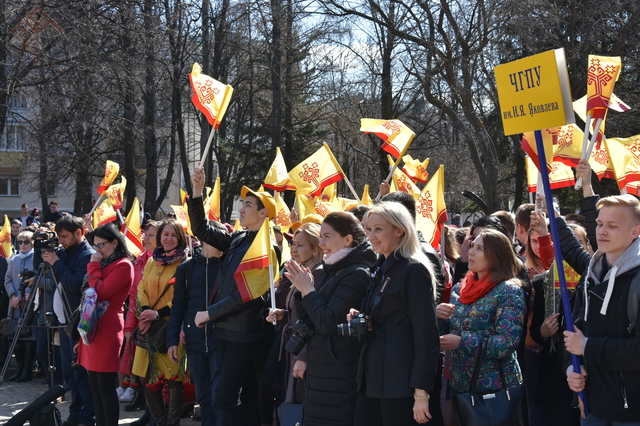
<point x="311" y="233"/>
<point x="409" y="246"/>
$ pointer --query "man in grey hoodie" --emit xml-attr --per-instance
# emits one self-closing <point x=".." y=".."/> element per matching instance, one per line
<point x="609" y="348"/>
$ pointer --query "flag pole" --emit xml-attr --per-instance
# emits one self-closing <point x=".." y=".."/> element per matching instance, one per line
<point x="272" y="290"/>
<point x="586" y="149"/>
<point x="346" y="179"/>
<point x="98" y="202"/>
<point x="206" y="148"/>
<point x="566" y="304"/>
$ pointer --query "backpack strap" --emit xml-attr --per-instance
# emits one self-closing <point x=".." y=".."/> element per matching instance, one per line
<point x="632" y="302"/>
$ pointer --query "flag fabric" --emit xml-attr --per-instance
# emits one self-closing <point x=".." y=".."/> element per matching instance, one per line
<point x="115" y="193"/>
<point x="5" y="238"/>
<point x="346" y="204"/>
<point x="602" y="74"/>
<point x="528" y="145"/>
<point x="330" y="193"/>
<point x="567" y="144"/>
<point x="366" y="198"/>
<point x="182" y="217"/>
<point x="212" y="203"/>
<point x="402" y="182"/>
<point x="416" y="170"/>
<point x="396" y="135"/>
<point x="209" y="95"/>
<point x="103" y="214"/>
<point x="111" y="170"/>
<point x="252" y="274"/>
<point x="277" y="177"/>
<point x="560" y="175"/>
<point x="625" y="159"/>
<point x="580" y="108"/>
<point x="237" y="226"/>
<point x="600" y="162"/>
<point x="431" y="211"/>
<point x="183" y="196"/>
<point x="323" y="208"/>
<point x="304" y="205"/>
<point x="132" y="230"/>
<point x="282" y="214"/>
<point x="316" y="172"/>
<point x="572" y="277"/>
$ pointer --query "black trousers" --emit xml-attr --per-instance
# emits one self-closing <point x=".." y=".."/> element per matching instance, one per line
<point x="238" y="387"/>
<point x="105" y="398"/>
<point x="384" y="412"/>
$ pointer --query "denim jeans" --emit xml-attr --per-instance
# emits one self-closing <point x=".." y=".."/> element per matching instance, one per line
<point x="206" y="369"/>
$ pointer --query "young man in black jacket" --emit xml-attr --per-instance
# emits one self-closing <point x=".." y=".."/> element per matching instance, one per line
<point x="608" y="345"/>
<point x="237" y="325"/>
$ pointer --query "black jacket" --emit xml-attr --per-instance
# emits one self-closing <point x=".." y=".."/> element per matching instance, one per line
<point x="401" y="353"/>
<point x="333" y="360"/>
<point x="590" y="212"/>
<point x="191" y="291"/>
<point x="233" y="319"/>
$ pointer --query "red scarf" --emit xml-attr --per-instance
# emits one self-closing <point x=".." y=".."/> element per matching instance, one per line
<point x="472" y="288"/>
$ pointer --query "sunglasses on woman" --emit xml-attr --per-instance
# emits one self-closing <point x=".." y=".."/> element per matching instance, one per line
<point x="24" y="242"/>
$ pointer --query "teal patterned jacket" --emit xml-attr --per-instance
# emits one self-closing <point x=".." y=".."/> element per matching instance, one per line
<point x="499" y="314"/>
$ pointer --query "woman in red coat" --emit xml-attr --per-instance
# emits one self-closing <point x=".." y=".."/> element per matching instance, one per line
<point x="110" y="273"/>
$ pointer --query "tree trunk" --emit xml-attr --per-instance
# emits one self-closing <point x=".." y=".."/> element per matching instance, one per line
<point x="150" y="148"/>
<point x="276" y="74"/>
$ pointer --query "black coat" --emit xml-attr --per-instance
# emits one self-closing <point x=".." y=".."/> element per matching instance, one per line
<point x="233" y="319"/>
<point x="401" y="353"/>
<point x="332" y="360"/>
<point x="191" y="293"/>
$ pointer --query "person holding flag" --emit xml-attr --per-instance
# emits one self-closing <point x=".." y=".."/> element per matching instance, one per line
<point x="237" y="307"/>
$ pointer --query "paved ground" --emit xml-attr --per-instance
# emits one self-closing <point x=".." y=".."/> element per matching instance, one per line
<point x="16" y="396"/>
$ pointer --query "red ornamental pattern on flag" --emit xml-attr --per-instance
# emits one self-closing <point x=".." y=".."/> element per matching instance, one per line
<point x="625" y="159"/>
<point x="209" y="95"/>
<point x="111" y="171"/>
<point x="316" y="172"/>
<point x="572" y="277"/>
<point x="431" y="210"/>
<point x="601" y="77"/>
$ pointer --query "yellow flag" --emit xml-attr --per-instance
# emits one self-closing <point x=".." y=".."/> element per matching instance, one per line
<point x="625" y="159"/>
<point x="567" y="144"/>
<point x="115" y="192"/>
<point x="322" y="207"/>
<point x="212" y="203"/>
<point x="252" y="274"/>
<point x="396" y="135"/>
<point x="133" y="230"/>
<point x="183" y="196"/>
<point x="431" y="211"/>
<point x="346" y="204"/>
<point x="111" y="170"/>
<point x="560" y="175"/>
<point x="316" y="172"/>
<point x="366" y="199"/>
<point x="602" y="74"/>
<point x="415" y="169"/>
<point x="528" y="145"/>
<point x="282" y="213"/>
<point x="402" y="182"/>
<point x="330" y="193"/>
<point x="304" y="205"/>
<point x="182" y="217"/>
<point x="5" y="238"/>
<point x="209" y="95"/>
<point x="277" y="176"/>
<point x="237" y="226"/>
<point x="103" y="214"/>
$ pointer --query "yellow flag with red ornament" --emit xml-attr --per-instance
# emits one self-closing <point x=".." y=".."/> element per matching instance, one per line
<point x="431" y="210"/>
<point x="396" y="135"/>
<point x="182" y="217"/>
<point x="560" y="175"/>
<point x="602" y="74"/>
<point x="5" y="238"/>
<point x="132" y="230"/>
<point x="416" y="170"/>
<point x="315" y="173"/>
<point x="103" y="214"/>
<point x="212" y="202"/>
<point x="277" y="177"/>
<point x="209" y="95"/>
<point x="401" y="182"/>
<point x="282" y="214"/>
<point x="115" y="193"/>
<point x="111" y="171"/>
<point x="625" y="159"/>
<point x="252" y="274"/>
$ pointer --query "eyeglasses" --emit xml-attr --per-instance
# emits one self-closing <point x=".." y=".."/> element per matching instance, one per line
<point x="24" y="242"/>
<point x="99" y="246"/>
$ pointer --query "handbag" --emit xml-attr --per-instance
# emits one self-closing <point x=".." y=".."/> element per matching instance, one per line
<point x="155" y="339"/>
<point x="9" y="325"/>
<point x="506" y="407"/>
<point x="290" y="413"/>
<point x="72" y="328"/>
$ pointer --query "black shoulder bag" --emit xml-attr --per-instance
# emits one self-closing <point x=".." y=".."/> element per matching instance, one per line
<point x="155" y="339"/>
<point x="506" y="407"/>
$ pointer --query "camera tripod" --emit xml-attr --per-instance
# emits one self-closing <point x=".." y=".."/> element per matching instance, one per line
<point x="45" y="270"/>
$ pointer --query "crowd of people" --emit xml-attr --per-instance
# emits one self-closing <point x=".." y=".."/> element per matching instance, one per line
<point x="369" y="325"/>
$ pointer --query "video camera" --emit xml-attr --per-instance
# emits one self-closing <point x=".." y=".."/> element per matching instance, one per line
<point x="45" y="240"/>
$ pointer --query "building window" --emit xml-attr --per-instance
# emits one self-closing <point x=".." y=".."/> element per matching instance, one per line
<point x="9" y="187"/>
<point x="14" y="139"/>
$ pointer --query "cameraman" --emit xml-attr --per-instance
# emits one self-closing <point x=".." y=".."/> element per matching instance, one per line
<point x="70" y="266"/>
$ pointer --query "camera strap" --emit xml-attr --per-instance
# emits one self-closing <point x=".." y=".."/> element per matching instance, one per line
<point x="386" y="280"/>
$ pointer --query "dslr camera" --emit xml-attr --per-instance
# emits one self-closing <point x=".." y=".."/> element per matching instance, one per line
<point x="24" y="276"/>
<point x="357" y="327"/>
<point x="301" y="333"/>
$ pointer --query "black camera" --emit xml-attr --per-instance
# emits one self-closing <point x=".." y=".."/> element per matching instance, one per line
<point x="357" y="327"/>
<point x="45" y="240"/>
<point x="24" y="276"/>
<point x="301" y="333"/>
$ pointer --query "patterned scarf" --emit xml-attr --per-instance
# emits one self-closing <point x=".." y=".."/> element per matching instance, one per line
<point x="166" y="258"/>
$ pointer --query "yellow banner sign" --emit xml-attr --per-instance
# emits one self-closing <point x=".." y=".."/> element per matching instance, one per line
<point x="534" y="93"/>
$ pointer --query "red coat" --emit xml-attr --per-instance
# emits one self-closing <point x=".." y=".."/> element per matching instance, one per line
<point x="138" y="268"/>
<point x="112" y="284"/>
